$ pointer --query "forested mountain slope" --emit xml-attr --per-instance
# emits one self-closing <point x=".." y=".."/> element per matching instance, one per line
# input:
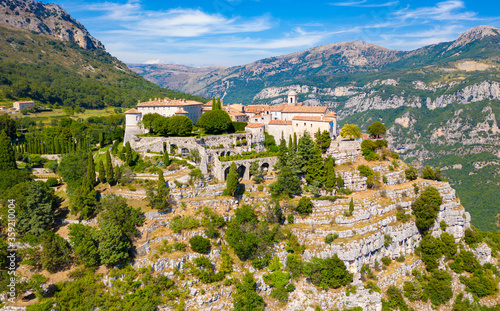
<point x="50" y="65"/>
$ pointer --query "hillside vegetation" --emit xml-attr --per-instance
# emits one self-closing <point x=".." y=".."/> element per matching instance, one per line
<point x="36" y="66"/>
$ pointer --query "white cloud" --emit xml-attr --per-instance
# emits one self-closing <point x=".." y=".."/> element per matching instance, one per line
<point x="442" y="11"/>
<point x="364" y="4"/>
<point x="132" y="19"/>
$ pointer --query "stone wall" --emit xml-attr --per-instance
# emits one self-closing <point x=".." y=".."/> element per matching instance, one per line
<point x="344" y="151"/>
<point x="244" y="165"/>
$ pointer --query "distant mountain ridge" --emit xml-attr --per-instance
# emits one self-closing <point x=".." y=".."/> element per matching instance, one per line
<point x="49" y="19"/>
<point x="440" y="103"/>
<point x="337" y="58"/>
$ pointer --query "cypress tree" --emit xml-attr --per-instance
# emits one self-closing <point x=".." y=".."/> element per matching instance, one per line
<point x="290" y="143"/>
<point x="295" y="141"/>
<point x="282" y="153"/>
<point x="129" y="156"/>
<point x="166" y="159"/>
<point x="232" y="180"/>
<point x="214" y="104"/>
<point x="101" y="139"/>
<point x="110" y="176"/>
<point x="7" y="156"/>
<point x="161" y="181"/>
<point x="330" y="174"/>
<point x="117" y="175"/>
<point x="91" y="170"/>
<point x="102" y="173"/>
<point x="219" y="104"/>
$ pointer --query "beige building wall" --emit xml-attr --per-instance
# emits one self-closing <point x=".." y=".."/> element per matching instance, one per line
<point x="301" y="126"/>
<point x="277" y="130"/>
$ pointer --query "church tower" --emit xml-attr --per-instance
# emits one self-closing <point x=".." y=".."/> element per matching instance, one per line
<point x="292" y="98"/>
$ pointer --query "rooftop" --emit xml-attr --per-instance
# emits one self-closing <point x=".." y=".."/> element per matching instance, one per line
<point x="254" y="125"/>
<point x="166" y="102"/>
<point x="131" y="111"/>
<point x="312" y="118"/>
<point x="307" y="109"/>
<point x="181" y="111"/>
<point x="280" y="122"/>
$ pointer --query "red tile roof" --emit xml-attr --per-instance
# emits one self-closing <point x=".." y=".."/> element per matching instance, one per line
<point x="181" y="111"/>
<point x="169" y="103"/>
<point x="133" y="110"/>
<point x="331" y="114"/>
<point x="305" y="109"/>
<point x="254" y="125"/>
<point x="312" y="118"/>
<point x="26" y="102"/>
<point x="280" y="122"/>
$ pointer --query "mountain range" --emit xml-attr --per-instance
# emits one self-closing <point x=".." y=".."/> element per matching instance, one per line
<point x="440" y="102"/>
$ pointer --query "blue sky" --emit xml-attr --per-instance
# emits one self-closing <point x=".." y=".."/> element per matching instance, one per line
<point x="235" y="32"/>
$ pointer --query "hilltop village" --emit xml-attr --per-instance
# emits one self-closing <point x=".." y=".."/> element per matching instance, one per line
<point x="205" y="206"/>
<point x="118" y="193"/>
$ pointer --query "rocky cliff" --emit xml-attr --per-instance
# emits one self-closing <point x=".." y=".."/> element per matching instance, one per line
<point x="48" y="19"/>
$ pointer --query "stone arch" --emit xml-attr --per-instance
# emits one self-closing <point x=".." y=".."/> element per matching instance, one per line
<point x="228" y="153"/>
<point x="264" y="167"/>
<point x="210" y="158"/>
<point x="173" y="148"/>
<point x="241" y="170"/>
<point x="226" y="172"/>
<point x="223" y="153"/>
<point x="184" y="152"/>
<point x="164" y="147"/>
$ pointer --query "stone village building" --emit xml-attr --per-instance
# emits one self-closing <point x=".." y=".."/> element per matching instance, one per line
<point x="280" y="121"/>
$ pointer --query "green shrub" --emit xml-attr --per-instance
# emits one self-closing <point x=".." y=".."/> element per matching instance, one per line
<point x="365" y="170"/>
<point x="290" y="218"/>
<point x="411" y="173"/>
<point x="426" y="208"/>
<point x="180" y="223"/>
<point x="401" y="214"/>
<point x="386" y="261"/>
<point x="328" y="273"/>
<point x="330" y="238"/>
<point x="305" y="206"/>
<point x="387" y="240"/>
<point x="260" y="187"/>
<point x="200" y="244"/>
<point x="52" y="182"/>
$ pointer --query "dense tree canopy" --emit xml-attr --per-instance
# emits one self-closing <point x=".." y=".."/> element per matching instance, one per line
<point x="215" y="122"/>
<point x="350" y="131"/>
<point x="377" y="129"/>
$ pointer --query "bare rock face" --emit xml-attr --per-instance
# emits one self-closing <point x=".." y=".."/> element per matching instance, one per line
<point x="49" y="19"/>
<point x="475" y="33"/>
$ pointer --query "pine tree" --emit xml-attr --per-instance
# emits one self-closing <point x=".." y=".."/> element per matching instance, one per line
<point x="330" y="174"/>
<point x="129" y="156"/>
<point x="102" y="173"/>
<point x="305" y="150"/>
<point x="7" y="156"/>
<point x="232" y="180"/>
<point x="315" y="168"/>
<point x="83" y="202"/>
<point x="91" y="169"/>
<point x="110" y="176"/>
<point x="166" y="159"/>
